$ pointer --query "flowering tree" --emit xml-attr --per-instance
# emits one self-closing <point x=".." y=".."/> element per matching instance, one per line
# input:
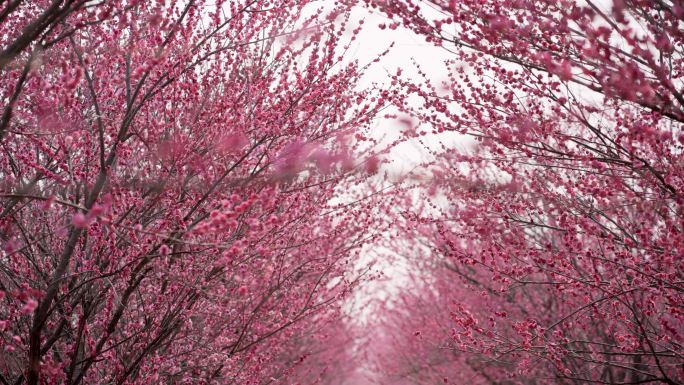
<point x="166" y="211"/>
<point x="557" y="255"/>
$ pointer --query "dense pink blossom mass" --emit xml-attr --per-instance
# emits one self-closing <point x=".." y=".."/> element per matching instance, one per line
<point x="199" y="192"/>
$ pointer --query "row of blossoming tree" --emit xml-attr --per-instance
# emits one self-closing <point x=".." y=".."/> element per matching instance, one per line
<point x="185" y="191"/>
<point x="167" y="172"/>
<point x="550" y="251"/>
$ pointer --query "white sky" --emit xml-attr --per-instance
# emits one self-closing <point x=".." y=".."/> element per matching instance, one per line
<point x="408" y="49"/>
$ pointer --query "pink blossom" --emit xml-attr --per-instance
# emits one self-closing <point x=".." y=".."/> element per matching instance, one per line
<point x="30" y="305"/>
<point x="79" y="221"/>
